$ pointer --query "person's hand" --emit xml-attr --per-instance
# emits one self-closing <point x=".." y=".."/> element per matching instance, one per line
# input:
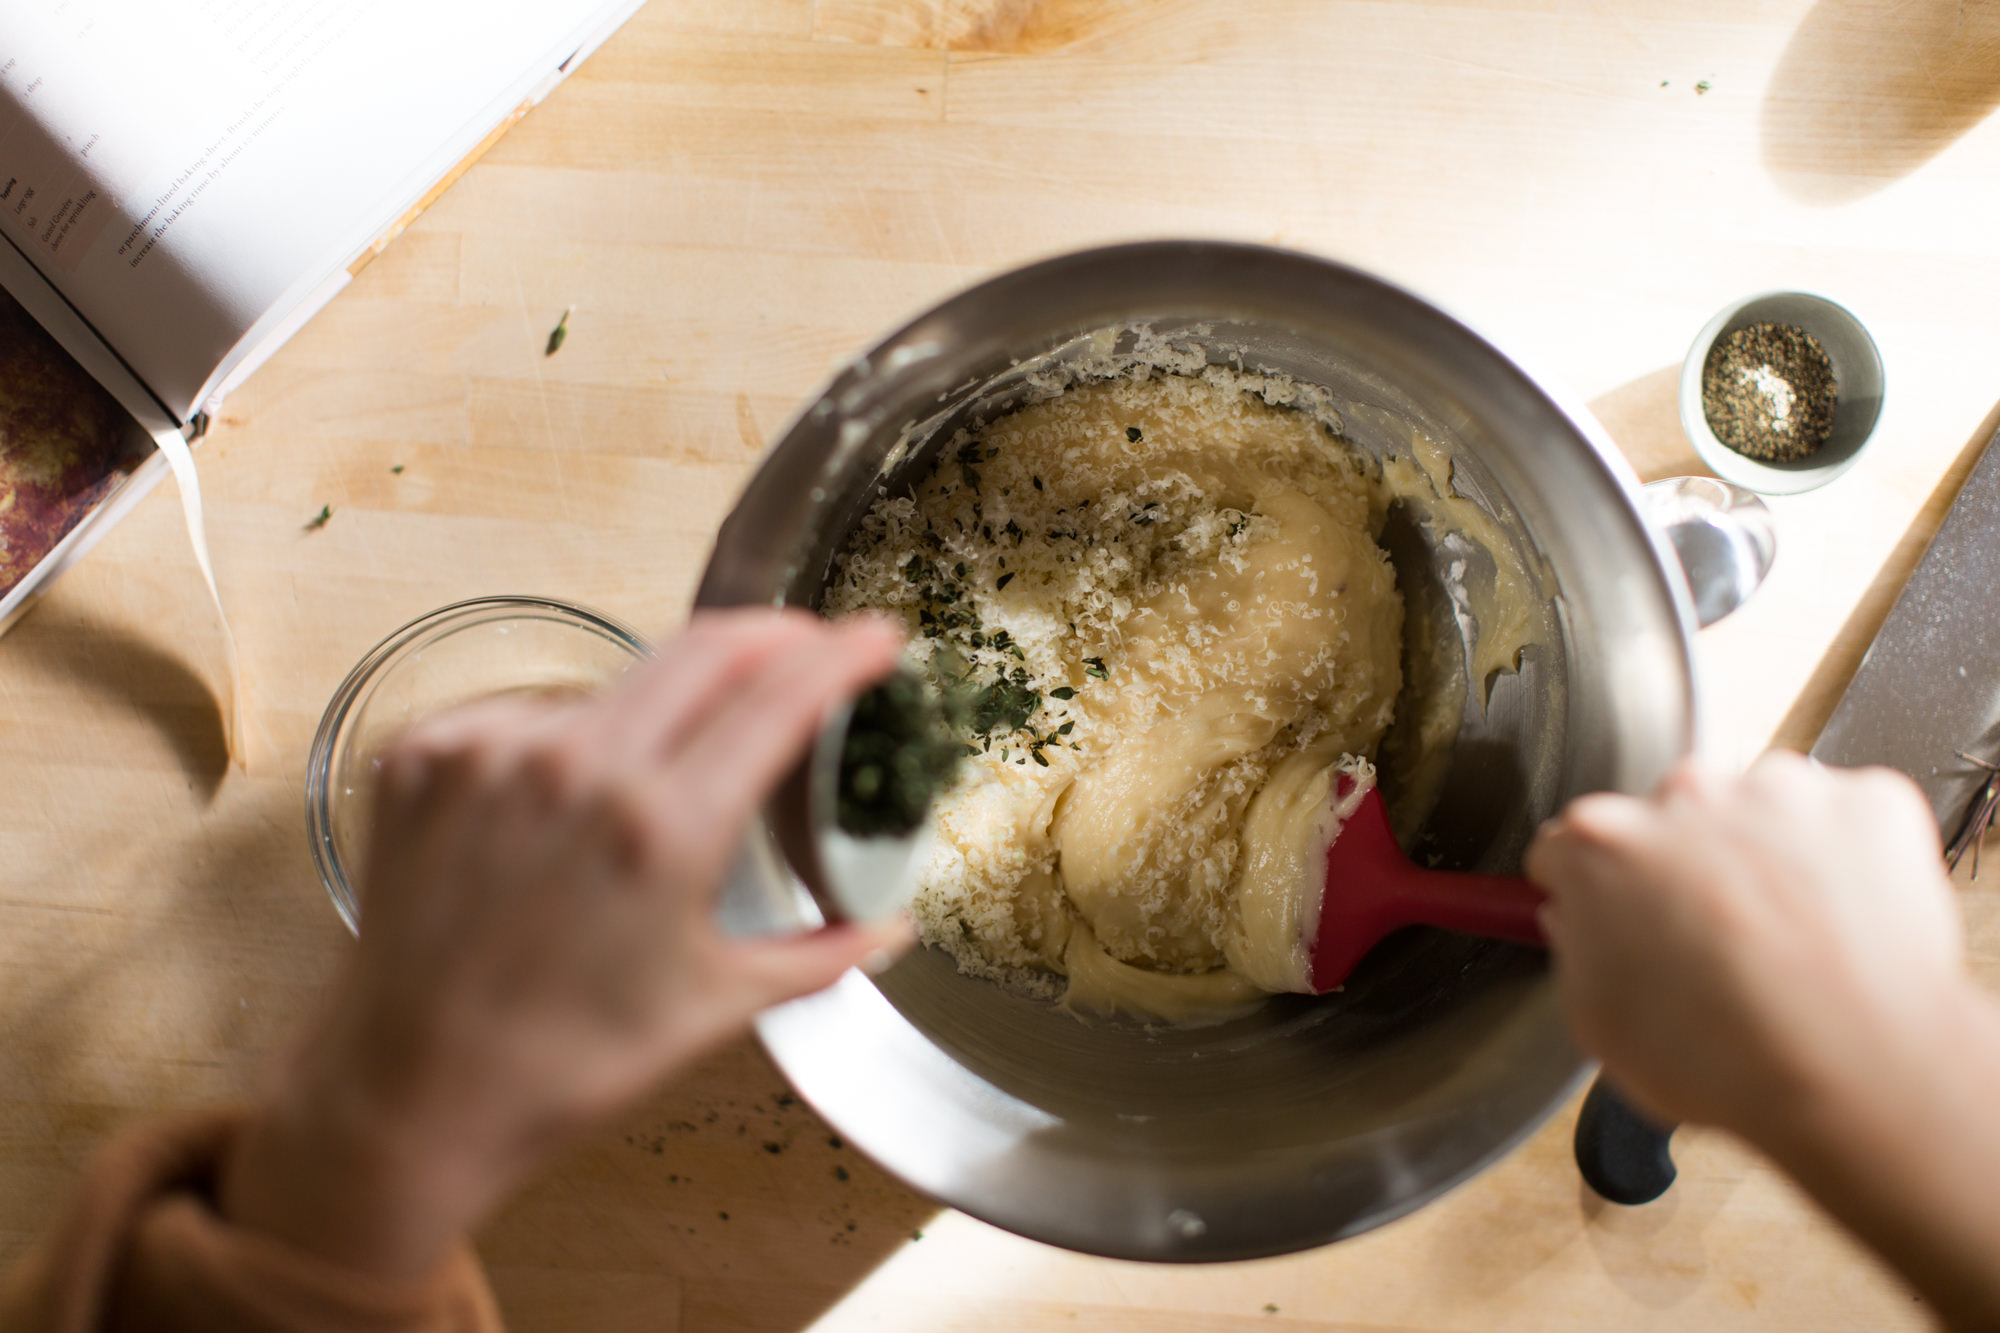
<point x="1731" y="947"/>
<point x="539" y="943"/>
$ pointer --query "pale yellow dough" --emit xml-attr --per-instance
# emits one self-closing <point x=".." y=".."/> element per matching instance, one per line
<point x="1296" y="660"/>
<point x="1212" y="593"/>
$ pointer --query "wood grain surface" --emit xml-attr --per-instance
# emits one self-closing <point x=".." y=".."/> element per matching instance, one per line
<point x="735" y="194"/>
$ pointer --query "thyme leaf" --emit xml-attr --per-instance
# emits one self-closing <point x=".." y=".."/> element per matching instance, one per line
<point x="1004" y="705"/>
<point x="559" y="333"/>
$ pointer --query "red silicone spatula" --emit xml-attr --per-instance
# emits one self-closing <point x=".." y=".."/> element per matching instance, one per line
<point x="1372" y="889"/>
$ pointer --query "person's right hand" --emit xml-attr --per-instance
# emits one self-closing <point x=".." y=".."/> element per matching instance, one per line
<point x="539" y="942"/>
<point x="1731" y="946"/>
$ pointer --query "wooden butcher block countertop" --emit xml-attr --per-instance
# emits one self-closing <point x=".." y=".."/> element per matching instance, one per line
<point x="736" y="194"/>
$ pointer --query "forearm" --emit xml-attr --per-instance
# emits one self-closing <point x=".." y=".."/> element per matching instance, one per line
<point x="143" y="1247"/>
<point x="345" y="1196"/>
<point x="327" y="1165"/>
<point x="1901" y="1144"/>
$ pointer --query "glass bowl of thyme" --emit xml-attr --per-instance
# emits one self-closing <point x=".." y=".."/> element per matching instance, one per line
<point x="1781" y="391"/>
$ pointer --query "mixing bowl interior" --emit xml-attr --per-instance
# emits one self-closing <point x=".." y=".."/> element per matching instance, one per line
<point x="1299" y="1070"/>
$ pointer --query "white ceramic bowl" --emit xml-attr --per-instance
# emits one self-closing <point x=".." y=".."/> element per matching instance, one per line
<point x="1858" y="381"/>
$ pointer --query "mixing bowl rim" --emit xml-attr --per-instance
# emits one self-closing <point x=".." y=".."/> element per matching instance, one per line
<point x="1586" y="1070"/>
<point x="745" y="568"/>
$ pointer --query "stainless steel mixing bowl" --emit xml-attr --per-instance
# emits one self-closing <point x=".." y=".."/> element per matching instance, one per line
<point x="1315" y="1118"/>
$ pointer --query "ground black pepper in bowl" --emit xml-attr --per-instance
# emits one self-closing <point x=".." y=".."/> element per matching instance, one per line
<point x="1768" y="392"/>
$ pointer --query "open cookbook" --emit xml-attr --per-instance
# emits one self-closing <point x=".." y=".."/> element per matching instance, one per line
<point x="182" y="186"/>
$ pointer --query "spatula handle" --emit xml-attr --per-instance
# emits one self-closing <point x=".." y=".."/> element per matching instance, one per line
<point x="1502" y="907"/>
<point x="1373" y="889"/>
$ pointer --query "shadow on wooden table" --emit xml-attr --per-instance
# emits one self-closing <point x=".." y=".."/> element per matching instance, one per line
<point x="723" y="1204"/>
<point x="1867" y="92"/>
<point x="1530" y="1215"/>
<point x="1816" y="702"/>
<point x="149" y="967"/>
<point x="125" y="669"/>
<point x="1643" y="419"/>
<point x="1658" y="1253"/>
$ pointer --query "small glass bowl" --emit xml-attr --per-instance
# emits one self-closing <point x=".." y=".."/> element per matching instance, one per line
<point x="458" y="653"/>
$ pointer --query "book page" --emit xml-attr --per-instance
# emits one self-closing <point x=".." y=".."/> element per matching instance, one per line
<point x="185" y="173"/>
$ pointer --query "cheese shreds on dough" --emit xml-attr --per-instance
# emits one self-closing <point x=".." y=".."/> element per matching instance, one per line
<point x="1169" y="600"/>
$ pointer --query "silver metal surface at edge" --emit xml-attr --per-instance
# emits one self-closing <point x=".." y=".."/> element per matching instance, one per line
<point x="1929" y="685"/>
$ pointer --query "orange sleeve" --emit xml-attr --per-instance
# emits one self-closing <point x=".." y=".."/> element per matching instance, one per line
<point x="142" y="1249"/>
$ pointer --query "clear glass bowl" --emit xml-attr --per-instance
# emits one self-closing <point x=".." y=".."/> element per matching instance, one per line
<point x="457" y="653"/>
